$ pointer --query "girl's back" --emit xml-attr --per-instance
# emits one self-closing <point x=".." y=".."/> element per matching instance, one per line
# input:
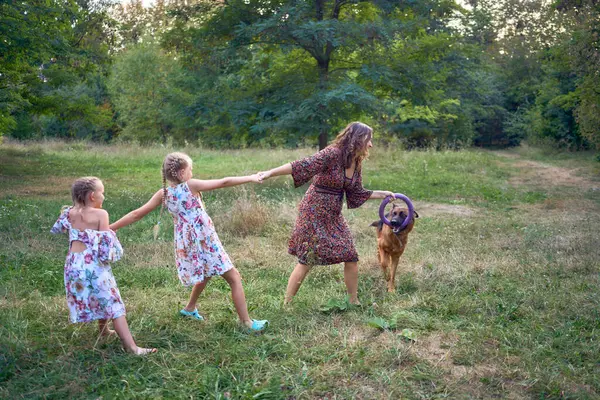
<point x="86" y="218"/>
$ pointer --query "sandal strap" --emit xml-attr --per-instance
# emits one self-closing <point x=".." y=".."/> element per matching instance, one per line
<point x="259" y="325"/>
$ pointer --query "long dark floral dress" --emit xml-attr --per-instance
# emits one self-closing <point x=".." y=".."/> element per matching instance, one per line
<point x="321" y="235"/>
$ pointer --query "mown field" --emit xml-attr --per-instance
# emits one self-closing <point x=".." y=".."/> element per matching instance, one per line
<point x="499" y="284"/>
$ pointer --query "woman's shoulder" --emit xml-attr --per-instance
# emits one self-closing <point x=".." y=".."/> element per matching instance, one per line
<point x="331" y="152"/>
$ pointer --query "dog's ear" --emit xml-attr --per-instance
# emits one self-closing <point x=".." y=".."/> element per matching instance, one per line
<point x="416" y="214"/>
<point x="375" y="223"/>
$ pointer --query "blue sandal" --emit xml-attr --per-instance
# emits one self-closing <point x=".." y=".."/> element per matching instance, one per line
<point x="192" y="314"/>
<point x="258" y="325"/>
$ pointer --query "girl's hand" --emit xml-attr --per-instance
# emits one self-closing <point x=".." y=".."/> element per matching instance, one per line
<point x="264" y="175"/>
<point x="256" y="178"/>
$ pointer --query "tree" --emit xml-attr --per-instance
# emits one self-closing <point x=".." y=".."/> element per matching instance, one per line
<point x="307" y="65"/>
<point x="33" y="33"/>
<point x="150" y="92"/>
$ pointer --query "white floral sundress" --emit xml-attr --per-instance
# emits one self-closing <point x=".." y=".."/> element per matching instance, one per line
<point x="199" y="253"/>
<point x="91" y="288"/>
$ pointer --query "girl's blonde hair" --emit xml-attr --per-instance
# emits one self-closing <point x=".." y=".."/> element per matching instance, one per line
<point x="82" y="187"/>
<point x="352" y="140"/>
<point x="172" y="165"/>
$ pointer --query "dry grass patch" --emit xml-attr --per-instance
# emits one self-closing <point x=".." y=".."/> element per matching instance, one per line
<point x="42" y="186"/>
<point x="246" y="216"/>
<point x="467" y="381"/>
<point x="148" y="254"/>
<point x="537" y="174"/>
<point x="432" y="209"/>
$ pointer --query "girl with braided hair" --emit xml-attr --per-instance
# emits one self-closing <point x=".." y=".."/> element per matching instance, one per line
<point x="199" y="254"/>
<point x="321" y="235"/>
<point x="92" y="292"/>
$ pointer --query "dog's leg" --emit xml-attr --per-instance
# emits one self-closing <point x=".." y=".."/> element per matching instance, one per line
<point x="393" y="268"/>
<point x="384" y="260"/>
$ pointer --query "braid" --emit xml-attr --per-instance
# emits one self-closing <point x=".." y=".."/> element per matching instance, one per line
<point x="164" y="200"/>
<point x="82" y="187"/>
<point x="173" y="164"/>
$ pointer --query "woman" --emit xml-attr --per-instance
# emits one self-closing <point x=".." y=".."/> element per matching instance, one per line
<point x="321" y="235"/>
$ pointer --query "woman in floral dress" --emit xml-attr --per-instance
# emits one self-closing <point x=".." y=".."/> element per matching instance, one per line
<point x="321" y="235"/>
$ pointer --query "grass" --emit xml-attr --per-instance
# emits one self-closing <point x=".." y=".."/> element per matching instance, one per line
<point x="499" y="283"/>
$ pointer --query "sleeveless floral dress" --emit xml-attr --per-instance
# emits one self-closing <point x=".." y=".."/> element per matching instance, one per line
<point x="199" y="253"/>
<point x="321" y="235"/>
<point x="91" y="288"/>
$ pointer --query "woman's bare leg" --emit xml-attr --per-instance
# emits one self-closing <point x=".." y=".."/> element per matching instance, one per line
<point x="351" y="280"/>
<point x="295" y="281"/>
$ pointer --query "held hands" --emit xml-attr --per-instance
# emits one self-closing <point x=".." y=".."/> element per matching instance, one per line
<point x="264" y="175"/>
<point x="256" y="178"/>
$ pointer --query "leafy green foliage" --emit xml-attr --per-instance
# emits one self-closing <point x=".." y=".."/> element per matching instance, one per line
<point x="426" y="74"/>
<point x="150" y="92"/>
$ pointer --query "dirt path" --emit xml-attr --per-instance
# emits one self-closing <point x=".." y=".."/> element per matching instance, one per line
<point x="533" y="173"/>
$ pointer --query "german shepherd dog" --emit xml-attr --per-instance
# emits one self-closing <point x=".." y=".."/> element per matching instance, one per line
<point x="391" y="242"/>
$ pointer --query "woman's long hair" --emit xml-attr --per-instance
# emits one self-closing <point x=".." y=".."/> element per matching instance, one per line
<point x="353" y="140"/>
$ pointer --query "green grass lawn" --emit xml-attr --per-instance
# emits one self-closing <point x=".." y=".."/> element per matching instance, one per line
<point x="499" y="282"/>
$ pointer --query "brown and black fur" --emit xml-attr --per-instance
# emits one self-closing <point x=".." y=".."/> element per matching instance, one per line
<point x="390" y="245"/>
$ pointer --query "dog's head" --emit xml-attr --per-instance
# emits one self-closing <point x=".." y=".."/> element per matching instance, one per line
<point x="397" y="216"/>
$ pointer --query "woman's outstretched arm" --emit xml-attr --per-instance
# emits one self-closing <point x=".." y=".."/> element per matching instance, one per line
<point x="381" y="194"/>
<point x="285" y="169"/>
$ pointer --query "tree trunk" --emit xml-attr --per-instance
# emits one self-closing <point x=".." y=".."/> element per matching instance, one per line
<point x="323" y="66"/>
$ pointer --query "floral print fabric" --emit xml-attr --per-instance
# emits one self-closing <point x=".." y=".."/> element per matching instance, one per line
<point x="90" y="286"/>
<point x="321" y="235"/>
<point x="199" y="253"/>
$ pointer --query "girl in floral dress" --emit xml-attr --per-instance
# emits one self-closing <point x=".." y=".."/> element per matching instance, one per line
<point x="321" y="235"/>
<point x="199" y="254"/>
<point x="92" y="292"/>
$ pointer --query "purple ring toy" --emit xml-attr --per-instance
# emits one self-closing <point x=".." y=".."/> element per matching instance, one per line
<point x="411" y="210"/>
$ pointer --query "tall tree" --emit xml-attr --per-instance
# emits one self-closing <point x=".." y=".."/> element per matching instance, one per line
<point x="33" y="33"/>
<point x="306" y="55"/>
<point x="150" y="91"/>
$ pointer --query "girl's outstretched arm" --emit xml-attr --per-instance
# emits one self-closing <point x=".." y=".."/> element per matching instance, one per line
<point x="140" y="213"/>
<point x="197" y="185"/>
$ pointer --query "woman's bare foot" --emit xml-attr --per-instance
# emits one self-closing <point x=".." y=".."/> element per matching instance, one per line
<point x="355" y="302"/>
<point x="141" y="351"/>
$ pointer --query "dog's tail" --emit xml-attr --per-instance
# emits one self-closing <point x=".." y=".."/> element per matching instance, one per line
<point x="378" y="224"/>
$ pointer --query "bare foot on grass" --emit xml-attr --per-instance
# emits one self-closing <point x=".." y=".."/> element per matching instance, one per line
<point x="355" y="302"/>
<point x="141" y="351"/>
